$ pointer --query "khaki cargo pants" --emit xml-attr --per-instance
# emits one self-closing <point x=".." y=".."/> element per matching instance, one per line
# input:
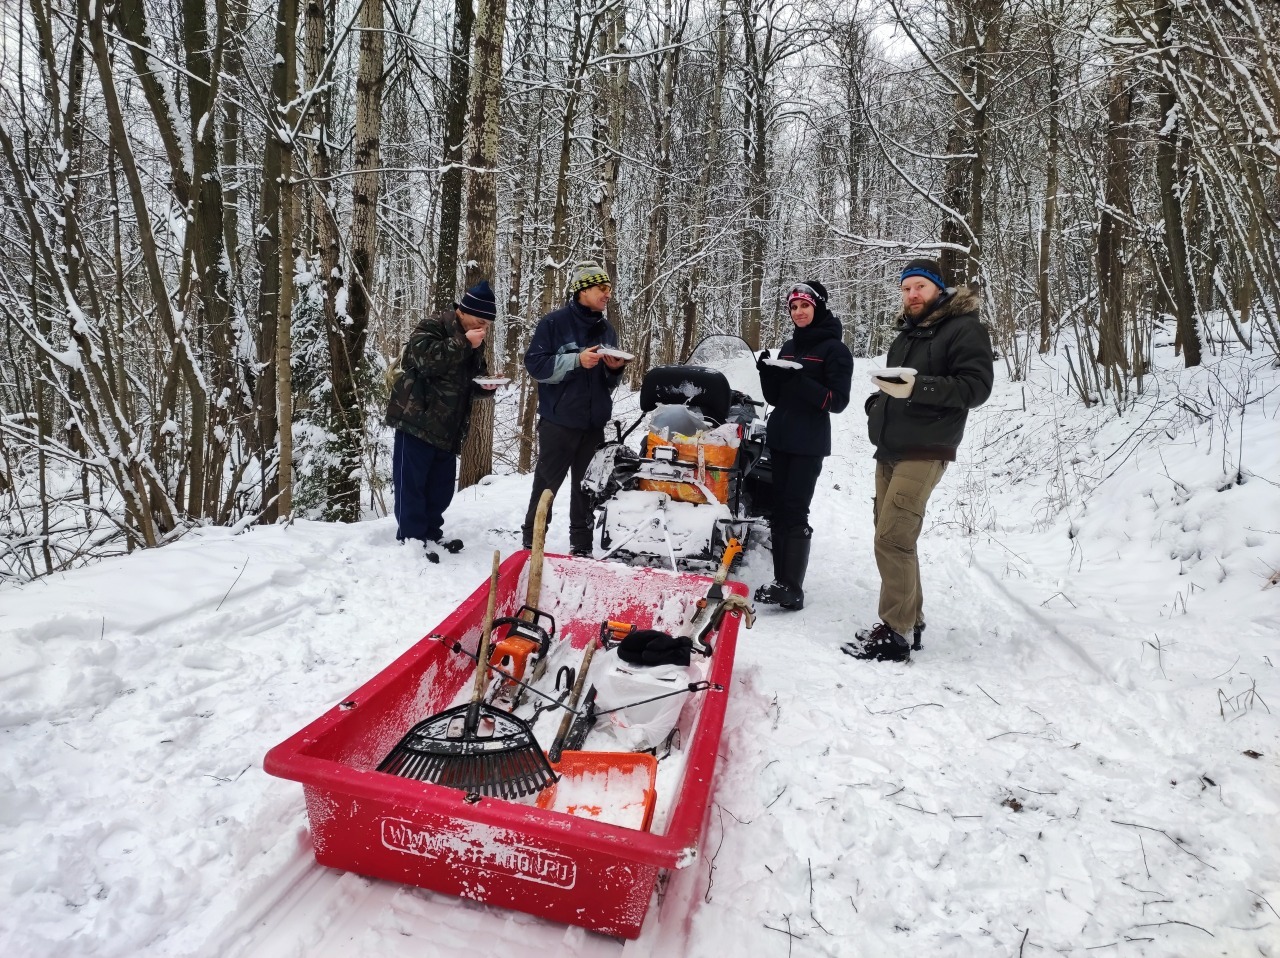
<point x="902" y="490"/>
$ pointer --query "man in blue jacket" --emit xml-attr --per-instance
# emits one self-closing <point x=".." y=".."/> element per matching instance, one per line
<point x="575" y="395"/>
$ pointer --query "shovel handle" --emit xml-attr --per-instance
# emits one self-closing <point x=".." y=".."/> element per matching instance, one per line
<point x="482" y="654"/>
<point x="558" y="745"/>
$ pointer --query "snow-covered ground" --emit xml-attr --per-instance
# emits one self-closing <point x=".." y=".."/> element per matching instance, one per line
<point x="1083" y="760"/>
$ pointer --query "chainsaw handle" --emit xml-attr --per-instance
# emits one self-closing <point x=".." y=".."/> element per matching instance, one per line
<point x="583" y="722"/>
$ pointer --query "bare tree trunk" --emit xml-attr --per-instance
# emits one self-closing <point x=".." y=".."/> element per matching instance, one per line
<point x="1175" y="240"/>
<point x="989" y="23"/>
<point x="454" y="145"/>
<point x="202" y="198"/>
<point x="205" y="241"/>
<point x="1049" y="221"/>
<point x="276" y="483"/>
<point x="482" y="210"/>
<point x="610" y="117"/>
<point x="975" y="27"/>
<point x="232" y="21"/>
<point x="285" y="73"/>
<point x="580" y="45"/>
<point x="514" y="324"/>
<point x="318" y="126"/>
<point x="659" y="201"/>
<point x="756" y="159"/>
<point x="710" y="159"/>
<point x="347" y="344"/>
<point x="1112" y="235"/>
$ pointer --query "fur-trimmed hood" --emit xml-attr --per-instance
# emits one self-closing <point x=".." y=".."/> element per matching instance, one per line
<point x="955" y="301"/>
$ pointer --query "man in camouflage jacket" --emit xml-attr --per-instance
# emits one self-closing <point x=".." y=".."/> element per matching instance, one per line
<point x="430" y="410"/>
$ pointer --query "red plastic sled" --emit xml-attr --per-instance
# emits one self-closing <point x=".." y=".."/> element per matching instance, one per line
<point x="568" y="868"/>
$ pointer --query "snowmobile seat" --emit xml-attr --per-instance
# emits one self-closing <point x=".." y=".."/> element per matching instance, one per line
<point x="699" y="387"/>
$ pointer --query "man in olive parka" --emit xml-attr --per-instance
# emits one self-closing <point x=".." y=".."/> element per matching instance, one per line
<point x="916" y="421"/>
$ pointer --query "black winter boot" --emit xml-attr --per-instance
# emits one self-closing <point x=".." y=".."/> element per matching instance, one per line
<point x="790" y="562"/>
<point x="796" y="556"/>
<point x="880" y="643"/>
<point x="775" y="591"/>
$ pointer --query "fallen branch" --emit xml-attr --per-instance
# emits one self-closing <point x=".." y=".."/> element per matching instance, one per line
<point x="1174" y="921"/>
<point x="1161" y="831"/>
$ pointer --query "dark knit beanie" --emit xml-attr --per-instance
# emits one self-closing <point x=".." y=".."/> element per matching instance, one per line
<point x="927" y="268"/>
<point x="818" y="288"/>
<point x="479" y="301"/>
<point x="586" y="274"/>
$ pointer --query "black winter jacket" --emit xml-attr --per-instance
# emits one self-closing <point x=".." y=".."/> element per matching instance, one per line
<point x="804" y="399"/>
<point x="950" y="350"/>
<point x="432" y="394"/>
<point x="568" y="394"/>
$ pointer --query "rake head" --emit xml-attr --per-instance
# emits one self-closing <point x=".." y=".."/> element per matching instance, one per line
<point x="474" y="747"/>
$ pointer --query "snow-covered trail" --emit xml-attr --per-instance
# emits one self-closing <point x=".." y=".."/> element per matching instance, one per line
<point x="1050" y="766"/>
<point x="1062" y="769"/>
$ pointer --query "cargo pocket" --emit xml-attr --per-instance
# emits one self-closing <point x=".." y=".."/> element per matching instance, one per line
<point x="901" y="527"/>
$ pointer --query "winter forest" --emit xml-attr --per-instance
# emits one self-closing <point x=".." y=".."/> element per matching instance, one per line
<point x="221" y="217"/>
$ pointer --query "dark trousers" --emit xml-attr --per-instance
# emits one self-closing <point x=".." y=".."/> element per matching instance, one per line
<point x="423" y="476"/>
<point x="562" y="451"/>
<point x="794" y="479"/>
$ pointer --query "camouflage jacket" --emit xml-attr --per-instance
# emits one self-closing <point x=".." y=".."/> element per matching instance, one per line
<point x="432" y="393"/>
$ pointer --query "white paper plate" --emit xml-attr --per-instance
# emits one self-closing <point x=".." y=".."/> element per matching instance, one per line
<point x="784" y="363"/>
<point x="491" y="380"/>
<point x="892" y="372"/>
<point x="616" y="353"/>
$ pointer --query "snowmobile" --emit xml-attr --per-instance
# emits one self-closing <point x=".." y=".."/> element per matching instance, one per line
<point x="699" y="476"/>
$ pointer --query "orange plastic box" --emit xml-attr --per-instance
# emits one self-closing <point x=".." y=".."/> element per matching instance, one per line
<point x="615" y="787"/>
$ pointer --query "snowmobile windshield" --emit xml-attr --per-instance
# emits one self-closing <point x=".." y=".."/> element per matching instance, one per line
<point x="732" y="356"/>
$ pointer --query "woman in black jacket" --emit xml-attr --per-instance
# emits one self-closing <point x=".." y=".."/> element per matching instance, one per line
<point x="807" y="382"/>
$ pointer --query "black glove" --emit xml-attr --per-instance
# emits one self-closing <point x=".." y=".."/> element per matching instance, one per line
<point x="651" y="647"/>
<point x="764" y="354"/>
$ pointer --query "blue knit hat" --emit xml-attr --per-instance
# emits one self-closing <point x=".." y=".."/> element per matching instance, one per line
<point x="479" y="301"/>
<point x="927" y="268"/>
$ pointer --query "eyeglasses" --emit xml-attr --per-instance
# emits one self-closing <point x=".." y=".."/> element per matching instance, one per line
<point x="804" y="289"/>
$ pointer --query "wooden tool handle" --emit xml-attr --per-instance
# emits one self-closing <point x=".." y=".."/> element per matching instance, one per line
<point x="482" y="655"/>
<point x="534" y="593"/>
<point x="569" y="714"/>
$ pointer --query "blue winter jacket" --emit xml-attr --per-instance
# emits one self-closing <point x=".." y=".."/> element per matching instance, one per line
<point x="568" y="394"/>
